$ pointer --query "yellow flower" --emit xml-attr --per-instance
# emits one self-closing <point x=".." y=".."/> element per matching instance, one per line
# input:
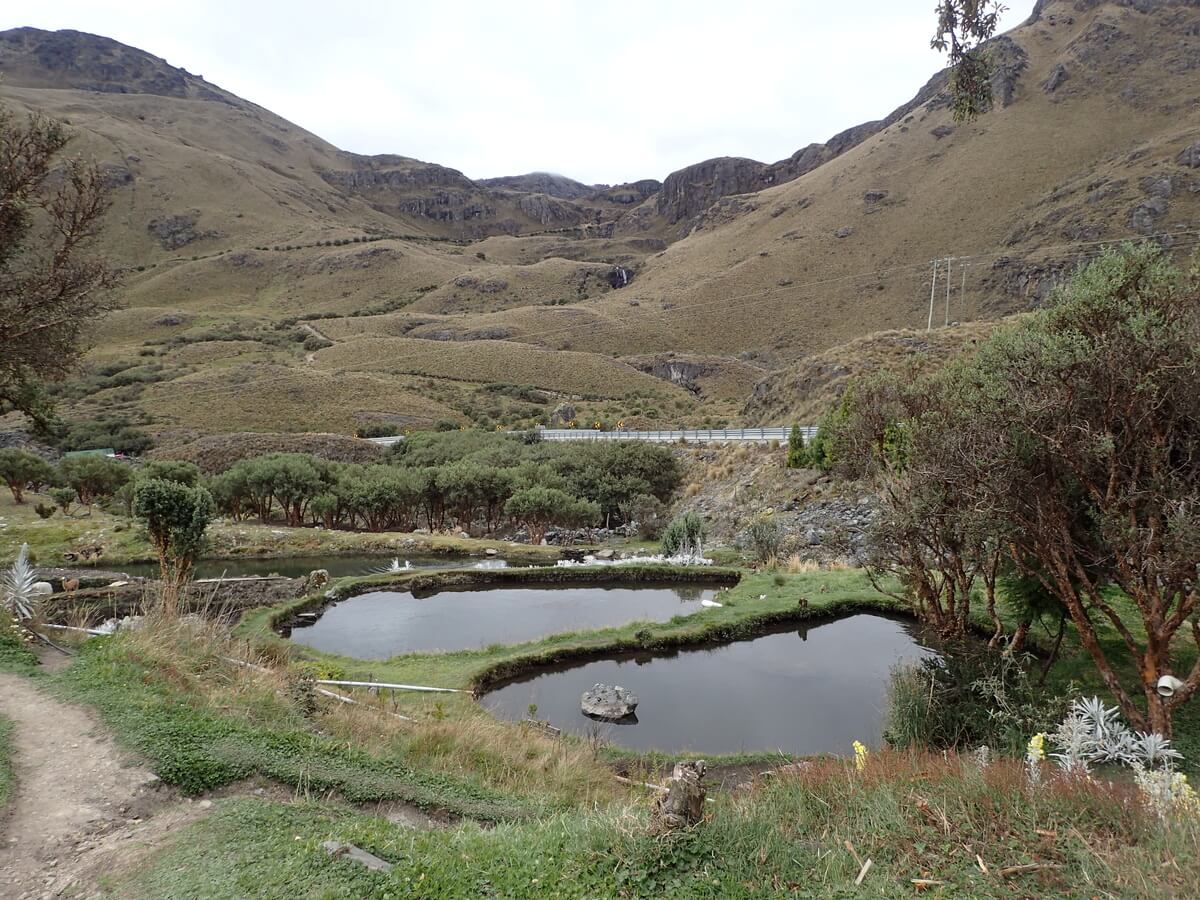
<point x="1036" y="749"/>
<point x="860" y="756"/>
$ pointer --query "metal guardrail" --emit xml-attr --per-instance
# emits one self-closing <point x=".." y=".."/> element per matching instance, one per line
<point x="667" y="436"/>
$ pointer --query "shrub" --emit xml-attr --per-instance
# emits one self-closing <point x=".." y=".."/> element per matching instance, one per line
<point x="766" y="538"/>
<point x="63" y="498"/>
<point x="969" y="698"/>
<point x="176" y="517"/>
<point x="650" y="514"/>
<point x="44" y="511"/>
<point x="376" y="429"/>
<point x="684" y="536"/>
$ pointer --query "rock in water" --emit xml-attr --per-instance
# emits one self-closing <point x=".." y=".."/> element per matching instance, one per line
<point x="605" y="701"/>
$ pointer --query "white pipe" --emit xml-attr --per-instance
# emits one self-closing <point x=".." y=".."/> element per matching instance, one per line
<point x="73" y="628"/>
<point x="340" y="697"/>
<point x="344" y="699"/>
<point x="394" y="687"/>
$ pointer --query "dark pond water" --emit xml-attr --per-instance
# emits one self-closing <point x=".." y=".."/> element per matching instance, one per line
<point x="387" y="623"/>
<point x="812" y="690"/>
<point x="299" y="566"/>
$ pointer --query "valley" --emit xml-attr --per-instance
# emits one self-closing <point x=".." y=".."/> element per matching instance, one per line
<point x="824" y="527"/>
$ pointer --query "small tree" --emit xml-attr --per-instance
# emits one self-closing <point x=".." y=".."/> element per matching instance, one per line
<point x="20" y="469"/>
<point x="797" y="456"/>
<point x="63" y="497"/>
<point x="176" y="517"/>
<point x="539" y="507"/>
<point x="93" y="477"/>
<point x="50" y="287"/>
<point x="1085" y="440"/>
<point x="964" y="26"/>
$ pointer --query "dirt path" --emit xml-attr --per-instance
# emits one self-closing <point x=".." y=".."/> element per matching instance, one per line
<point x="79" y="799"/>
<point x="84" y="809"/>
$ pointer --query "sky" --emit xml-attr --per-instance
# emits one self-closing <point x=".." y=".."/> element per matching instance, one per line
<point x="603" y="92"/>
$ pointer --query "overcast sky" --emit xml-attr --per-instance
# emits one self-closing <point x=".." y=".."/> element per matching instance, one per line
<point x="602" y="91"/>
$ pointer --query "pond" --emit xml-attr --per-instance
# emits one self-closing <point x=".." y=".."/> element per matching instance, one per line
<point x="807" y="690"/>
<point x="300" y="566"/>
<point x="386" y="623"/>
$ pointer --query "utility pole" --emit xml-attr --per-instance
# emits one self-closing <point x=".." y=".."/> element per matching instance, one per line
<point x="962" y="293"/>
<point x="949" y="260"/>
<point x="932" y="289"/>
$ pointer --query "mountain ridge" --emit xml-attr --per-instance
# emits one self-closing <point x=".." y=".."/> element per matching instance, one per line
<point x="234" y="223"/>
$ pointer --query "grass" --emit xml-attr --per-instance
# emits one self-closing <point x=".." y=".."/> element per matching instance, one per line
<point x="586" y="374"/>
<point x="165" y="692"/>
<point x="915" y="817"/>
<point x="6" y="771"/>
<point x="564" y="826"/>
<point x="15" y="654"/>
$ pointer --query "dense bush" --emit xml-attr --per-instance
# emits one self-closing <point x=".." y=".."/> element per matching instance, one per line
<point x="967" y="699"/>
<point x="1064" y="448"/>
<point x="94" y="477"/>
<point x="104" y="432"/>
<point x="461" y="478"/>
<point x="766" y="538"/>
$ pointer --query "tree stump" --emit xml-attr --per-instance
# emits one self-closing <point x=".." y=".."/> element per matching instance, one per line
<point x="683" y="803"/>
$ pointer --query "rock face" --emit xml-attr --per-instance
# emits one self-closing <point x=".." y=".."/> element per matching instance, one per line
<point x="89" y="62"/>
<point x="541" y="183"/>
<point x="605" y="701"/>
<point x="1057" y="76"/>
<point x="688" y="192"/>
<point x="1190" y="156"/>
<point x="178" y="230"/>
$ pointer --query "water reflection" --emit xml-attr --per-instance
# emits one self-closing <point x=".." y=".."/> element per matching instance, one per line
<point x="779" y="691"/>
<point x="386" y="623"/>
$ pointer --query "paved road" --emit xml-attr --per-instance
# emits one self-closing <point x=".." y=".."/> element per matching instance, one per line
<point x="685" y="436"/>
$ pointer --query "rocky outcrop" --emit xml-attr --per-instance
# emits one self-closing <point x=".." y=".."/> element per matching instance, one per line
<point x="179" y="230"/>
<point x="689" y="192"/>
<point x="1058" y="75"/>
<point x="540" y="183"/>
<point x="610" y="702"/>
<point x="630" y="194"/>
<point x="75" y="59"/>
<point x="1190" y="156"/>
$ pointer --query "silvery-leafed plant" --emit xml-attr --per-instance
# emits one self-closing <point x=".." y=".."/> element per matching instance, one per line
<point x="1093" y="733"/>
<point x="16" y="586"/>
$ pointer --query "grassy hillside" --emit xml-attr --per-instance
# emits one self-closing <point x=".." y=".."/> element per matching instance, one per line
<point x="235" y="223"/>
<point x="808" y="388"/>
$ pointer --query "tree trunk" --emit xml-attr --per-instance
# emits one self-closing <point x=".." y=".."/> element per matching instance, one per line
<point x="1062" y="629"/>
<point x="1018" y="641"/>
<point x="683" y="804"/>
